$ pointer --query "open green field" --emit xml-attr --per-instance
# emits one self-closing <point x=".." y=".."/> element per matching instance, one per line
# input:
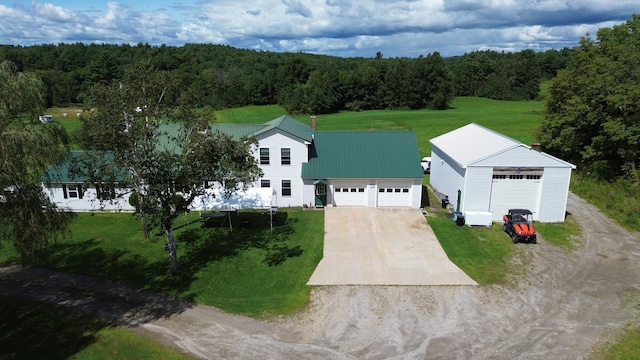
<point x="516" y="119"/>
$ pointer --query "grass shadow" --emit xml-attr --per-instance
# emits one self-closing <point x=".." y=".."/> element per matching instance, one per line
<point x="32" y="330"/>
<point x="250" y="229"/>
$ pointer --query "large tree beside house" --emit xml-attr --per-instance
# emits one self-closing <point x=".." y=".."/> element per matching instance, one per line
<point x="28" y="218"/>
<point x="133" y="144"/>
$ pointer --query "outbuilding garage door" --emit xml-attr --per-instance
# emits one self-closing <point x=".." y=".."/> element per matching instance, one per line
<point x="515" y="190"/>
<point x="394" y="193"/>
<point x="350" y="193"/>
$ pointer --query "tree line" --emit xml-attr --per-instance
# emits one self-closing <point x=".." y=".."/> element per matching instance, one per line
<point x="221" y="76"/>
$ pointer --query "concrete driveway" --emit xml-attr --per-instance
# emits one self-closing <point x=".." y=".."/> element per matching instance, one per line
<point x="383" y="246"/>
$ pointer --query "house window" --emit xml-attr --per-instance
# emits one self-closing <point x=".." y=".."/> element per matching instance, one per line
<point x="338" y="189"/>
<point x="286" y="187"/>
<point x="405" y="190"/>
<point x="285" y="156"/>
<point x="105" y="193"/>
<point x="72" y="191"/>
<point x="264" y="156"/>
<point x="265" y="183"/>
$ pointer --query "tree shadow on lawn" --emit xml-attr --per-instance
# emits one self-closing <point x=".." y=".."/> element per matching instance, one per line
<point x="100" y="292"/>
<point x="32" y="330"/>
<point x="197" y="248"/>
<point x="88" y="257"/>
<point x="250" y="230"/>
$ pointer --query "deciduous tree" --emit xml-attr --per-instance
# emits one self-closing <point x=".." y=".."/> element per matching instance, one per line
<point x="28" y="218"/>
<point x="593" y="112"/>
<point x="168" y="163"/>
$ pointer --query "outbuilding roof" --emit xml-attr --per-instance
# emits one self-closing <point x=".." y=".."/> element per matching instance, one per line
<point x="474" y="144"/>
<point x="363" y="155"/>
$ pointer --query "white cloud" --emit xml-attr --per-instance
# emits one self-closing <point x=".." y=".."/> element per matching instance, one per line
<point x="336" y="27"/>
<point x="53" y="13"/>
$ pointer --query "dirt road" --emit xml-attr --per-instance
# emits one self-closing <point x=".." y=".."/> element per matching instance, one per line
<point x="570" y="301"/>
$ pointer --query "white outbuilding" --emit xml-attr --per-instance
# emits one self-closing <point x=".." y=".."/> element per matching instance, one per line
<point x="484" y="173"/>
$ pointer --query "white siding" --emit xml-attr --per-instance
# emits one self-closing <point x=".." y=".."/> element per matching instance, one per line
<point x="447" y="176"/>
<point x="554" y="193"/>
<point x="275" y="172"/>
<point x="89" y="200"/>
<point x="477" y="189"/>
<point x="521" y="156"/>
<point x="308" y="193"/>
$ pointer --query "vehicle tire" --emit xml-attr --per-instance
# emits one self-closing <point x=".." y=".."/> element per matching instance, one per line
<point x="514" y="237"/>
<point x="504" y="227"/>
<point x="534" y="241"/>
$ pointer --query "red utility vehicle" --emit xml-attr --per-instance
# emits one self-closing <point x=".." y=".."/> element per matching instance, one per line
<point x="518" y="224"/>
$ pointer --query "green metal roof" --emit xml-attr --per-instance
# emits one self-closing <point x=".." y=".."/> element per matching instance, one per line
<point x="364" y="155"/>
<point x="61" y="172"/>
<point x="284" y="124"/>
<point x="237" y="131"/>
<point x="290" y="126"/>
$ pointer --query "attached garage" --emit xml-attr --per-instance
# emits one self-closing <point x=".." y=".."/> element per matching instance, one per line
<point x="365" y="168"/>
<point x="394" y="193"/>
<point x="349" y="193"/>
<point x="482" y="171"/>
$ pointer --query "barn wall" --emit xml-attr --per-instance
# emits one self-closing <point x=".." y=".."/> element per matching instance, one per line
<point x="477" y="191"/>
<point x="446" y="175"/>
<point x="554" y="193"/>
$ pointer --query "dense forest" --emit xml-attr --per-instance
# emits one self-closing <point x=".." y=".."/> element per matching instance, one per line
<point x="221" y="76"/>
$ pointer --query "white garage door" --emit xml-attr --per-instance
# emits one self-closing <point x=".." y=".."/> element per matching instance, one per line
<point x="350" y="193"/>
<point x="394" y="193"/>
<point x="515" y="191"/>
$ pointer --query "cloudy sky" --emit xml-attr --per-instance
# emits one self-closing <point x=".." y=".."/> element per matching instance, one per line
<point x="396" y="28"/>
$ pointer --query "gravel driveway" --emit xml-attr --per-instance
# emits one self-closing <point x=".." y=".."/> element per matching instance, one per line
<point x="569" y="302"/>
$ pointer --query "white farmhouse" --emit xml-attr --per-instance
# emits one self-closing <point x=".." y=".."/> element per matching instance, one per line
<point x="301" y="167"/>
<point x="484" y="173"/>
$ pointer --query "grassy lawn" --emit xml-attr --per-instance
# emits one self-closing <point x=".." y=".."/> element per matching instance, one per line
<point x="31" y="330"/>
<point x="618" y="199"/>
<point x="249" y="270"/>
